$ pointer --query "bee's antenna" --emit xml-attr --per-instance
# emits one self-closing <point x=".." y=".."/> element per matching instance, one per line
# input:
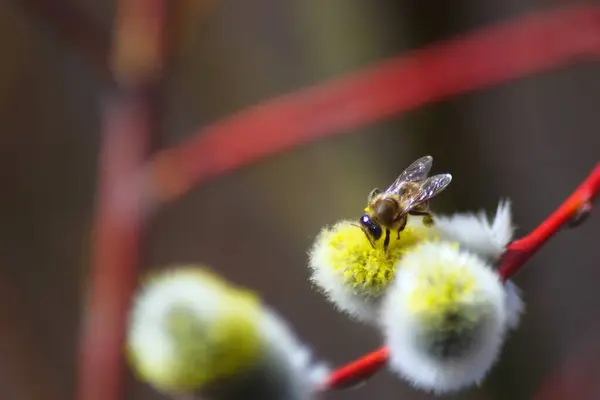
<point x="366" y="234"/>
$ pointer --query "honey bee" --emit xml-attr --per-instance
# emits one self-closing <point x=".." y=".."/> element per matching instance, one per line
<point x="408" y="195"/>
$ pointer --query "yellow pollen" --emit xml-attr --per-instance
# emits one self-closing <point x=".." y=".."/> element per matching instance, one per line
<point x="366" y="269"/>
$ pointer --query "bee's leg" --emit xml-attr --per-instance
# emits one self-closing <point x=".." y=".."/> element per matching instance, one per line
<point x="372" y="194"/>
<point x="386" y="242"/>
<point x="423" y="210"/>
<point x="402" y="226"/>
<point x="427" y="220"/>
<point x="427" y="217"/>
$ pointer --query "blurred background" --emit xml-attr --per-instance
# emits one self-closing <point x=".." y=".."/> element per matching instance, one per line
<point x="530" y="138"/>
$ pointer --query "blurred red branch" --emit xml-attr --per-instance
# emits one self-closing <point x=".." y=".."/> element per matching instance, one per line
<point x="489" y="56"/>
<point x="130" y="119"/>
<point x="115" y="250"/>
<point x="76" y="28"/>
<point x="577" y="378"/>
<point x="516" y="255"/>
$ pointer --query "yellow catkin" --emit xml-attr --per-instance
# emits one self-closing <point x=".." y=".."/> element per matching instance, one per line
<point x="441" y="292"/>
<point x="368" y="270"/>
<point x="203" y="351"/>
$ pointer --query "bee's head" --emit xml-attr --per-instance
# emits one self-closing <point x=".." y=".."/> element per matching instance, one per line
<point x="371" y="227"/>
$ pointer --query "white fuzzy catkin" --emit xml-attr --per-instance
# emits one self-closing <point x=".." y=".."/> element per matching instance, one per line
<point x="444" y="318"/>
<point x="286" y="369"/>
<point x="478" y="234"/>
<point x="285" y="356"/>
<point x="278" y="366"/>
<point x="488" y="239"/>
<point x="341" y="254"/>
<point x="330" y="281"/>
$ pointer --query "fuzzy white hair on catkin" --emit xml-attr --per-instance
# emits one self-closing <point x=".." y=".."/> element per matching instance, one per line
<point x="426" y="271"/>
<point x="328" y="281"/>
<point x="488" y="239"/>
<point x="515" y="307"/>
<point x="148" y="334"/>
<point x="284" y="367"/>
<point x="292" y="360"/>
<point x="475" y="232"/>
<point x="285" y="370"/>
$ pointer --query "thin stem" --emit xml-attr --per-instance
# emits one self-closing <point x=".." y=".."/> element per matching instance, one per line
<point x="114" y="251"/>
<point x="517" y="254"/>
<point x="137" y="60"/>
<point x="358" y="370"/>
<point x="466" y="63"/>
<point x="521" y="250"/>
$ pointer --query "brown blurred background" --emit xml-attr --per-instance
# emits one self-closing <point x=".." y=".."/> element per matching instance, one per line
<point x="531" y="139"/>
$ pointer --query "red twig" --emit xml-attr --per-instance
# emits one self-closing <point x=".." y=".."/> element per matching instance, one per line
<point x="359" y="370"/>
<point x="516" y="255"/>
<point x="521" y="250"/>
<point x="136" y="62"/>
<point x="115" y="250"/>
<point x="534" y="43"/>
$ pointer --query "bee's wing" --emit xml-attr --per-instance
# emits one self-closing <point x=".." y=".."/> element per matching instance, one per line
<point x="417" y="171"/>
<point x="431" y="187"/>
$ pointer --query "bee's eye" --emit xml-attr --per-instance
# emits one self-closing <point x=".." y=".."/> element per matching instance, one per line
<point x="373" y="228"/>
<point x="375" y="231"/>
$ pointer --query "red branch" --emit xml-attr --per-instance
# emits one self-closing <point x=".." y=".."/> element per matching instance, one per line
<point x="516" y="255"/>
<point x="521" y="250"/>
<point x="537" y="42"/>
<point x="130" y="120"/>
<point x="115" y="250"/>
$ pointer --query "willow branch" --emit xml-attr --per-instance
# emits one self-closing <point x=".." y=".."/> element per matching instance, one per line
<point x="530" y="44"/>
<point x="515" y="257"/>
<point x="137" y="60"/>
<point x="577" y="206"/>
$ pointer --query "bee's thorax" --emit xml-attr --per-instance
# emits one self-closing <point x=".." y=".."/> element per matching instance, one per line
<point x="386" y="211"/>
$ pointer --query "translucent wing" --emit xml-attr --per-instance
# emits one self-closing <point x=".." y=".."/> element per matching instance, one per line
<point x="431" y="187"/>
<point x="417" y="171"/>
